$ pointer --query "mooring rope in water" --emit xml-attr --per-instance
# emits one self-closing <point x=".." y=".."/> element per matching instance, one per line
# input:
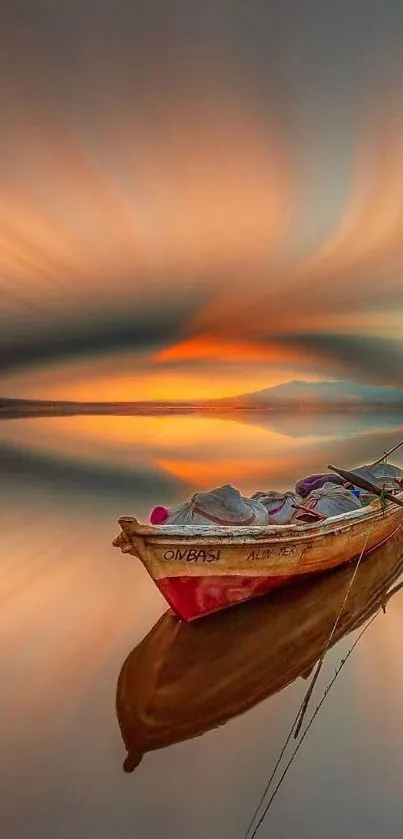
<point x="270" y="781"/>
<point x="297" y="723"/>
<point x="249" y="835"/>
<point x="304" y="707"/>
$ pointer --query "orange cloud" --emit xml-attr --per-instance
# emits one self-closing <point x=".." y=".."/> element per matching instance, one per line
<point x="212" y="347"/>
<point x="209" y="347"/>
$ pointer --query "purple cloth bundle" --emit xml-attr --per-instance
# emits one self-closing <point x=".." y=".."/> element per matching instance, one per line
<point x="306" y="485"/>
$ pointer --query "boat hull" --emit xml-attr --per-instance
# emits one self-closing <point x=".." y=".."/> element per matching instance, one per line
<point x="201" y="570"/>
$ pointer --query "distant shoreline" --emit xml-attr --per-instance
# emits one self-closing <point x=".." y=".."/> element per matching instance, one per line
<point x="25" y="408"/>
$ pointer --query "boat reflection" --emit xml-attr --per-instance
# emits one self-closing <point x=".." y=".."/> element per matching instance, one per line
<point x="183" y="680"/>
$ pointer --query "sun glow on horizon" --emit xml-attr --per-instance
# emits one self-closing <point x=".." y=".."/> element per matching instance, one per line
<point x="118" y="378"/>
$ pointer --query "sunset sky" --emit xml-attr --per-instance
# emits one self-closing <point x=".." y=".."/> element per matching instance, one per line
<point x="199" y="199"/>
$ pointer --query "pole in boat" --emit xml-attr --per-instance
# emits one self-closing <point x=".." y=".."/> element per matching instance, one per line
<point x="356" y="480"/>
<point x="386" y="454"/>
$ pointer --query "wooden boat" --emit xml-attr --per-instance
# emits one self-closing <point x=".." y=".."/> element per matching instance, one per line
<point x="203" y="569"/>
<point x="172" y="688"/>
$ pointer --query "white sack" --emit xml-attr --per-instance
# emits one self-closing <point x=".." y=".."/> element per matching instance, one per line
<point x="279" y="505"/>
<point x="330" y="500"/>
<point x="223" y="506"/>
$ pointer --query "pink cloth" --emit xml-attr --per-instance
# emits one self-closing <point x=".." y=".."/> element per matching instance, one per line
<point x="158" y="515"/>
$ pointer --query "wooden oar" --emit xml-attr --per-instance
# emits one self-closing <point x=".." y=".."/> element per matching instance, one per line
<point x="357" y="481"/>
<point x="386" y="454"/>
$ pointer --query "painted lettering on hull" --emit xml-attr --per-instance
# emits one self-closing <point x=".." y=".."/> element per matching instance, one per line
<point x="207" y="555"/>
<point x="192" y="555"/>
<point x="268" y="553"/>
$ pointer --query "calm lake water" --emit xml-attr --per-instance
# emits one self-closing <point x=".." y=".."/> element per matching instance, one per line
<point x="72" y="608"/>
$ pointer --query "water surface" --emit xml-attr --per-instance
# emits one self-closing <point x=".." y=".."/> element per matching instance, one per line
<point x="72" y="608"/>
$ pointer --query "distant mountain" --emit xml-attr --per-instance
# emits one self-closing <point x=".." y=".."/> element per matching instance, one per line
<point x="318" y="395"/>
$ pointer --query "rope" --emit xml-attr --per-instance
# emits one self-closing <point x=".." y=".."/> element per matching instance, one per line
<point x="269" y="783"/>
<point x="309" y="692"/>
<point x="305" y="732"/>
<point x="297" y="723"/>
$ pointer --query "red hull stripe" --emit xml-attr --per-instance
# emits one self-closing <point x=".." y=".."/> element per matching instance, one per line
<point x="192" y="597"/>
